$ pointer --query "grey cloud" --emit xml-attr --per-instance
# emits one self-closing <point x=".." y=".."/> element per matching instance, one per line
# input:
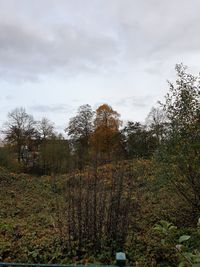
<point x="158" y="29"/>
<point x="137" y="102"/>
<point x="55" y="37"/>
<point x="9" y="97"/>
<point x="27" y="54"/>
<point x="51" y="108"/>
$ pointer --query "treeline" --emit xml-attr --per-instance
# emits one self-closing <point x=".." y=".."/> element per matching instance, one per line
<point x="94" y="138"/>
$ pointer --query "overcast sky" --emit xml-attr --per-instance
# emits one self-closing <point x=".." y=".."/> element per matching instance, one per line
<point x="56" y="55"/>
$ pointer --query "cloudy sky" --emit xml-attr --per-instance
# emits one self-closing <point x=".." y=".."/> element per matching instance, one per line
<point x="56" y="55"/>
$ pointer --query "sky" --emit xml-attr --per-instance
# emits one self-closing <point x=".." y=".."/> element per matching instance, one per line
<point x="56" y="55"/>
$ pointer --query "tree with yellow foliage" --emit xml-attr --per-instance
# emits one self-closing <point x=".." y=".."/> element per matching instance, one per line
<point x="106" y="136"/>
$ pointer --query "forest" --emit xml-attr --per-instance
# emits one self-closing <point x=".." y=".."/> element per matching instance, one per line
<point x="109" y="186"/>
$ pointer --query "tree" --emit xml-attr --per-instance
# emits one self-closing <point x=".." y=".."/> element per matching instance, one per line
<point x="107" y="117"/>
<point x="106" y="136"/>
<point x="45" y="129"/>
<point x="20" y="131"/>
<point x="139" y="142"/>
<point x="54" y="155"/>
<point x="156" y="122"/>
<point x="79" y="130"/>
<point x="179" y="156"/>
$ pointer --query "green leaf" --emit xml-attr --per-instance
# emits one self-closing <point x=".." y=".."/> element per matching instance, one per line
<point x="181" y="264"/>
<point x="163" y="241"/>
<point x="183" y="238"/>
<point x="157" y="228"/>
<point x="196" y="258"/>
<point x="165" y="224"/>
<point x="172" y="228"/>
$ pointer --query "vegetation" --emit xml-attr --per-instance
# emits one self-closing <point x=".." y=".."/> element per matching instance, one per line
<point x="108" y="187"/>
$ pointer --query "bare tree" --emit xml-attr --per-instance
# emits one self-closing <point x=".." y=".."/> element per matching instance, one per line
<point x="19" y="130"/>
<point x="45" y="128"/>
<point x="156" y="121"/>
